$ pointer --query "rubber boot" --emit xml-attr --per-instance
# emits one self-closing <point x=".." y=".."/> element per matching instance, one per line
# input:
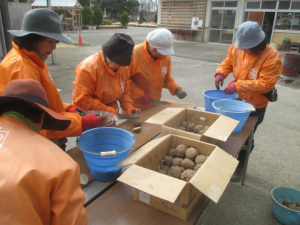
<point x="239" y="170"/>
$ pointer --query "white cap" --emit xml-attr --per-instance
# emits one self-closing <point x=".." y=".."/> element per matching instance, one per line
<point x="249" y="34"/>
<point x="162" y="40"/>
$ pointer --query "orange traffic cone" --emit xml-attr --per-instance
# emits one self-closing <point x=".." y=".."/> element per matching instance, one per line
<point x="80" y="41"/>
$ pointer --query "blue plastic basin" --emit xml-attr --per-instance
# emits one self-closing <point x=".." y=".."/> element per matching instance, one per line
<point x="213" y="95"/>
<point x="104" y="140"/>
<point x="282" y="213"/>
<point x="235" y="109"/>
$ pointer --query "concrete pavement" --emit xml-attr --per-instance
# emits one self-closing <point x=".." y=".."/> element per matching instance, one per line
<point x="275" y="158"/>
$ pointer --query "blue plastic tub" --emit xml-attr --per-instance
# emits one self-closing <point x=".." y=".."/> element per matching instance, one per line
<point x="235" y="109"/>
<point x="113" y="142"/>
<point x="213" y="95"/>
<point x="282" y="213"/>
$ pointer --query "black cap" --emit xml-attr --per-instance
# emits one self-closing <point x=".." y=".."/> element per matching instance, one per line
<point x="119" y="49"/>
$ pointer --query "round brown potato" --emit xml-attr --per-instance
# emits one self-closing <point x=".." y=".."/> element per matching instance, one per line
<point x="137" y="123"/>
<point x="184" y="123"/>
<point x="172" y="152"/>
<point x="163" y="169"/>
<point x="175" y="171"/>
<point x="198" y="128"/>
<point x="187" y="174"/>
<point x="190" y="127"/>
<point x="200" y="159"/>
<point x="180" y="150"/>
<point x="187" y="163"/>
<point x="176" y="161"/>
<point x="167" y="160"/>
<point x="197" y="167"/>
<point x="191" y="153"/>
<point x="182" y="128"/>
<point x="137" y="130"/>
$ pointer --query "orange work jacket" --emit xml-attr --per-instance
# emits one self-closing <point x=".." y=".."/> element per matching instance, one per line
<point x="253" y="74"/>
<point x="40" y="183"/>
<point x="148" y="76"/>
<point x="96" y="85"/>
<point x="22" y="64"/>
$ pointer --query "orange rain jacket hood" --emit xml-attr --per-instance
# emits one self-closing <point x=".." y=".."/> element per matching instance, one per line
<point x="149" y="76"/>
<point x="96" y="85"/>
<point x="40" y="183"/>
<point x="254" y="74"/>
<point x="22" y="64"/>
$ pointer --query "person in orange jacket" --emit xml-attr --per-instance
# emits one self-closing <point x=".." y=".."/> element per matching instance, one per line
<point x="256" y="67"/>
<point x="31" y="47"/>
<point x="102" y="79"/>
<point x="150" y="69"/>
<point x="40" y="184"/>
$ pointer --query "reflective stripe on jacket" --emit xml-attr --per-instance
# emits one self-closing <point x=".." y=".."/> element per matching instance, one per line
<point x="253" y="74"/>
<point x="21" y="64"/>
<point x="96" y="85"/>
<point x="149" y="76"/>
<point x="40" y="183"/>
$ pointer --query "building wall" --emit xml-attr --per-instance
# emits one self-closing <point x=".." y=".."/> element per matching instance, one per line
<point x="278" y="37"/>
<point x="12" y="18"/>
<point x="177" y="15"/>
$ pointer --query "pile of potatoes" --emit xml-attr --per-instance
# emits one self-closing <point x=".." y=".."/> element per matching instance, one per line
<point x="189" y="126"/>
<point x="289" y="203"/>
<point x="182" y="162"/>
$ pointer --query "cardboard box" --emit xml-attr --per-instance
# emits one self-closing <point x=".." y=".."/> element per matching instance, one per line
<point x="171" y="195"/>
<point x="220" y="127"/>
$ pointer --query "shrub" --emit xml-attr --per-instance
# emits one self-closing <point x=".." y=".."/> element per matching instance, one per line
<point x="124" y="19"/>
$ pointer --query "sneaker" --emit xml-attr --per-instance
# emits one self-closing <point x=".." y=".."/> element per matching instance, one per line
<point x="239" y="170"/>
<point x="238" y="173"/>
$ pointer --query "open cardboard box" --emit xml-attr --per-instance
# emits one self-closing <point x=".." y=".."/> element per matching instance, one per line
<point x="171" y="195"/>
<point x="220" y="127"/>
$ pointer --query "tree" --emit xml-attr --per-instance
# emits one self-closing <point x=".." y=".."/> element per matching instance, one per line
<point x="124" y="19"/>
<point x="114" y="8"/>
<point x="98" y="16"/>
<point x="86" y="15"/>
<point x="146" y="7"/>
<point x="85" y="3"/>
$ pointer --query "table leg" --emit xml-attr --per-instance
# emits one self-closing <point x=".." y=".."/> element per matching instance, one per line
<point x="248" y="148"/>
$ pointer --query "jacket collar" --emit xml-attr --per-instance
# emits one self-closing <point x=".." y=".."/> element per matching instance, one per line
<point x="30" y="54"/>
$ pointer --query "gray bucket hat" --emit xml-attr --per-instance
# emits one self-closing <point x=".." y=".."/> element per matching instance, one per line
<point x="43" y="22"/>
<point x="249" y="34"/>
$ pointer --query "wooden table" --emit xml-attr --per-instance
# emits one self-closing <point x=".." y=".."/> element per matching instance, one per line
<point x="95" y="188"/>
<point x="112" y="202"/>
<point x="116" y="205"/>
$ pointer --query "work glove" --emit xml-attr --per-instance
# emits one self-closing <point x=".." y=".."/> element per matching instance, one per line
<point x="219" y="79"/>
<point x="92" y="120"/>
<point x="180" y="93"/>
<point x="231" y="89"/>
<point x="146" y="99"/>
<point x="134" y="111"/>
<point x="111" y="110"/>
<point x="78" y="110"/>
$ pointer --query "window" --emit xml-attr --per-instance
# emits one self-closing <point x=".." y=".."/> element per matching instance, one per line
<point x="288" y="21"/>
<point x="296" y="22"/>
<point x="231" y="4"/>
<point x="295" y="5"/>
<point x="268" y="4"/>
<point x="216" y="18"/>
<point x="217" y="4"/>
<point x="253" y="5"/>
<point x="284" y="5"/>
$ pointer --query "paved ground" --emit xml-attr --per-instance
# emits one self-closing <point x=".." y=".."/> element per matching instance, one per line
<point x="275" y="159"/>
